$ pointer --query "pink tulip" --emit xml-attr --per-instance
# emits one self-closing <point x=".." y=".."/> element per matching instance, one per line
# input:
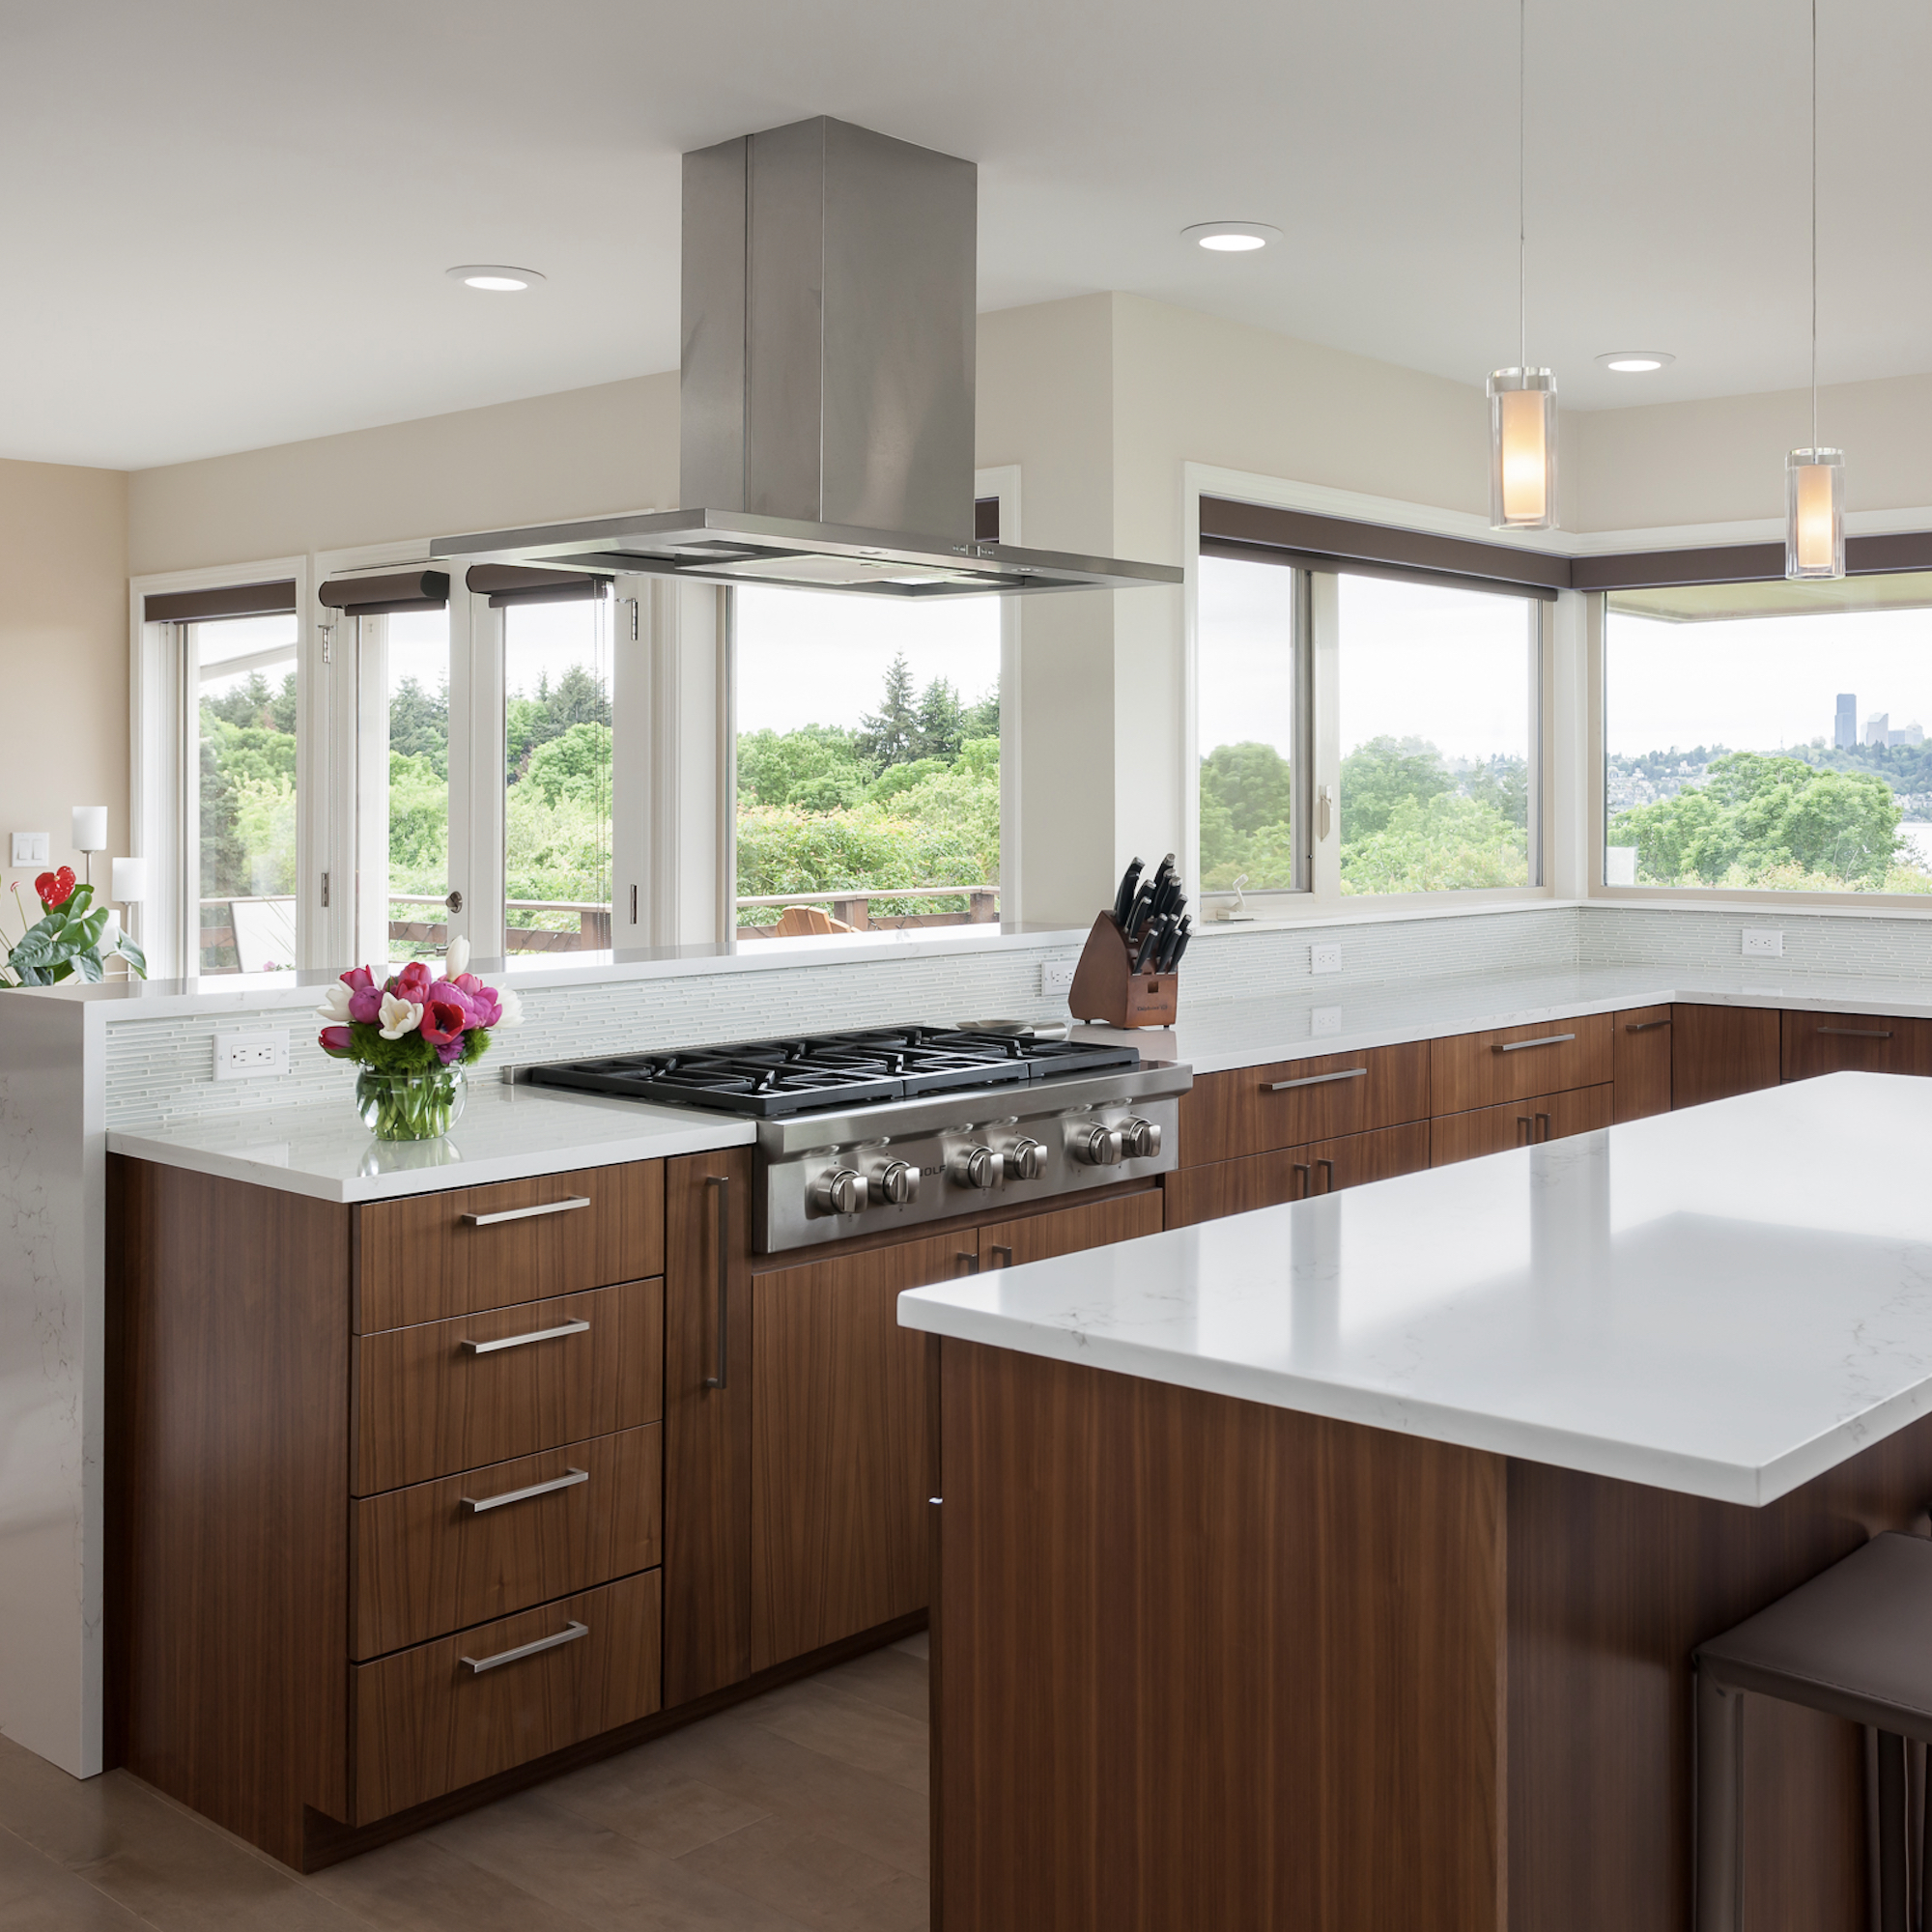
<point x="365" y="1004"/>
<point x="358" y="978"/>
<point x="413" y="981"/>
<point x="336" y="1039"/>
<point x="485" y="1009"/>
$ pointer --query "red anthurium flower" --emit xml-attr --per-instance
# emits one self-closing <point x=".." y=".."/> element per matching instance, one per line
<point x="445" y="1015"/>
<point x="55" y="888"/>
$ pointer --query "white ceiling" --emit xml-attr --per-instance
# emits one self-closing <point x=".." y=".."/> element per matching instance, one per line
<point x="223" y="224"/>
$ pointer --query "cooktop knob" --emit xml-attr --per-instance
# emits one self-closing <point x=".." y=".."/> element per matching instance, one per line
<point x="1026" y="1160"/>
<point x="1141" y="1138"/>
<point x="896" y="1182"/>
<point x="1097" y="1146"/>
<point x="840" y="1191"/>
<point x="976" y="1167"/>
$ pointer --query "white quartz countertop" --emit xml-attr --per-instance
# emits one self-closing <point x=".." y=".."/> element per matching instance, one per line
<point x="1326" y="1016"/>
<point x="506" y="1133"/>
<point x="1725" y="1301"/>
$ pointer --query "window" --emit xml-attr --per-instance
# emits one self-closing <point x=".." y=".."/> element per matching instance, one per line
<point x="1437" y="691"/>
<point x="403" y="879"/>
<point x="1770" y="737"/>
<point x="239" y="847"/>
<point x="868" y="763"/>
<point x="557" y="776"/>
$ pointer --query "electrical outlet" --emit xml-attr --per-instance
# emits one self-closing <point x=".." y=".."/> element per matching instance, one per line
<point x="251" y="1055"/>
<point x="1324" y="956"/>
<point x="1055" y="978"/>
<point x="1762" y="943"/>
<point x="31" y="848"/>
<point x="1324" y="1019"/>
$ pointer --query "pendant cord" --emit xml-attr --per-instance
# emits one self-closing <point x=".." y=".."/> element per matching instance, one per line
<point x="1814" y="229"/>
<point x="1522" y="224"/>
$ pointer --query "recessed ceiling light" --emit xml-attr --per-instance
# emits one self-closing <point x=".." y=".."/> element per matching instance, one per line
<point x="1230" y="237"/>
<point x="492" y="277"/>
<point x="1634" y="361"/>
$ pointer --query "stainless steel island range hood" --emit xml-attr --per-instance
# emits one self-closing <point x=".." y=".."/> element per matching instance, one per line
<point x="826" y="387"/>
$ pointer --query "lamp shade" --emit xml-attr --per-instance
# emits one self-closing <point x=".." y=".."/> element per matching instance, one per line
<point x="1523" y="449"/>
<point x="1814" y="513"/>
<point x="130" y="881"/>
<point x="89" y="828"/>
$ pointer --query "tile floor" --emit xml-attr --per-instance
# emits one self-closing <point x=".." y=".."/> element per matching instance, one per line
<point x="803" y="1809"/>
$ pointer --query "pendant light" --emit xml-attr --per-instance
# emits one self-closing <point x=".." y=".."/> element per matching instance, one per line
<point x="1523" y="401"/>
<point x="1814" y="478"/>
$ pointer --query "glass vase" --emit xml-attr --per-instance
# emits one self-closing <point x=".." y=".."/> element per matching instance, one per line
<point x="410" y="1106"/>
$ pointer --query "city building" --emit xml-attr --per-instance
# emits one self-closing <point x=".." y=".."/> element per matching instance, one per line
<point x="1846" y="735"/>
<point x="1878" y="728"/>
<point x="1907" y="734"/>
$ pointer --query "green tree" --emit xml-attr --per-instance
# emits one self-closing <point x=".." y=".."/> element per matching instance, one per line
<point x="1443" y="842"/>
<point x="983" y="717"/>
<point x="1378" y="775"/>
<point x="575" y="764"/>
<point x="818" y="761"/>
<point x="419" y="723"/>
<point x="941" y="725"/>
<point x="1247" y="807"/>
<point x="580" y="698"/>
<point x="890" y="736"/>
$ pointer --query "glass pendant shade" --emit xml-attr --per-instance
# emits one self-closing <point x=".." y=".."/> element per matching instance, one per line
<point x="1814" y="513"/>
<point x="1523" y="449"/>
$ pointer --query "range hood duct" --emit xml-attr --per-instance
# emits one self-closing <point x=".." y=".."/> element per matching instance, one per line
<point x="825" y="387"/>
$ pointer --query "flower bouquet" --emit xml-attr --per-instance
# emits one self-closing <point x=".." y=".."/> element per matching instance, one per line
<point x="411" y="1036"/>
<point x="68" y="939"/>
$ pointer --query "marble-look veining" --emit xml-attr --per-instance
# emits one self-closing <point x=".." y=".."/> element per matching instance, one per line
<point x="506" y="1133"/>
<point x="1725" y="1302"/>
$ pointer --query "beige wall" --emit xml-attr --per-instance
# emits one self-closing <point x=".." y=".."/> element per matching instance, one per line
<point x="584" y="453"/>
<point x="63" y="658"/>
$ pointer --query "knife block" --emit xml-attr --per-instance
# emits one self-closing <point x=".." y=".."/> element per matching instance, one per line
<point x="1106" y="990"/>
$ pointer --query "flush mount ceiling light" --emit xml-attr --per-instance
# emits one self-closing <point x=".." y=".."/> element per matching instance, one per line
<point x="1523" y="401"/>
<point x="1814" y="478"/>
<point x="493" y="277"/>
<point x="1230" y="237"/>
<point x="1635" y="361"/>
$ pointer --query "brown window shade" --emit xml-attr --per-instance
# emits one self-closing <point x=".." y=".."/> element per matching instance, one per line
<point x="393" y="590"/>
<point x="510" y="583"/>
<point x="1741" y="563"/>
<point x="225" y="600"/>
<point x="987" y="519"/>
<point x="1259" y="532"/>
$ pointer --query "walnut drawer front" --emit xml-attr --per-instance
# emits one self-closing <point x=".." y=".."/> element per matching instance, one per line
<point x="447" y="1396"/>
<point x="436" y="1254"/>
<point x="1818" y="1043"/>
<point x="1543" y="1117"/>
<point x="1196" y="1194"/>
<point x="1253" y="1109"/>
<point x="1484" y="1069"/>
<point x="426" y="1720"/>
<point x="441" y="1556"/>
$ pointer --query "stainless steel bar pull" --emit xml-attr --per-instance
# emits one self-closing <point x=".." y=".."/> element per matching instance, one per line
<point x="526" y="1213"/>
<point x="1518" y="1045"/>
<point x="1645" y="1026"/>
<point x="569" y="1633"/>
<point x="722" y="1183"/>
<point x="519" y="1340"/>
<point x="1317" y="1079"/>
<point x="568" y="1481"/>
<point x="1859" y="1032"/>
<point x="996" y="1249"/>
<point x="1327" y="1168"/>
<point x="1302" y="1169"/>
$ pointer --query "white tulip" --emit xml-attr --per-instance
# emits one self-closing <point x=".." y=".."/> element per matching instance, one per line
<point x="399" y="1016"/>
<point x="513" y="1007"/>
<point x="456" y="959"/>
<point x="334" y="1005"/>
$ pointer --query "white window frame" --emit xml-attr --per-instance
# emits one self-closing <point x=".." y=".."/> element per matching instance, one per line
<point x="1558" y="694"/>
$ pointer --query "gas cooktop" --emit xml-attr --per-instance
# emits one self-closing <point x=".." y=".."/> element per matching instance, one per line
<point x="773" y="1078"/>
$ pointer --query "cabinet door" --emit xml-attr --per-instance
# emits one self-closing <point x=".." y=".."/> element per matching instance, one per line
<point x="1486" y="1070"/>
<point x="1253" y="1109"/>
<point x="708" y="1396"/>
<point x="1545" y="1117"/>
<point x="1717" y="1051"/>
<point x="1640" y="1053"/>
<point x="1292" y="1174"/>
<point x="1356" y="1158"/>
<point x="1038" y="1237"/>
<point x="839" y="1529"/>
<point x="1818" y="1043"/>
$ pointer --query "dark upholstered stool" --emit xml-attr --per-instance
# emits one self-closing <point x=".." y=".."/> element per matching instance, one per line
<point x="1855" y="1642"/>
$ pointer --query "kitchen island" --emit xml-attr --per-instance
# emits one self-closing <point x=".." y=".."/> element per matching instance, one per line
<point x="1339" y="1564"/>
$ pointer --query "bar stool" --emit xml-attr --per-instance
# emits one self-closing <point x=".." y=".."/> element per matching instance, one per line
<point x="1855" y="1642"/>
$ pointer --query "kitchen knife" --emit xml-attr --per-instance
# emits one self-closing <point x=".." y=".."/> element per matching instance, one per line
<point x="1140" y="911"/>
<point x="1149" y="941"/>
<point x="1179" y="947"/>
<point x="1123" y="898"/>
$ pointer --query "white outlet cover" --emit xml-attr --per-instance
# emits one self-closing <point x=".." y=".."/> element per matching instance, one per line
<point x="1761" y="944"/>
<point x="1324" y="1019"/>
<point x="251" y="1055"/>
<point x="1324" y="956"/>
<point x="1056" y="975"/>
<point x="32" y="848"/>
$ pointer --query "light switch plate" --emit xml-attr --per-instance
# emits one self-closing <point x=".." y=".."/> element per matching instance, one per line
<point x="251" y="1055"/>
<point x="32" y="848"/>
<point x="1055" y="978"/>
<point x="1324" y="956"/>
<point x="1762" y="943"/>
<point x="1324" y="1019"/>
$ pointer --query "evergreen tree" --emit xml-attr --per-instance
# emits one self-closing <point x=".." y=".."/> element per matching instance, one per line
<point x="983" y="720"/>
<point x="940" y="729"/>
<point x="889" y="736"/>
